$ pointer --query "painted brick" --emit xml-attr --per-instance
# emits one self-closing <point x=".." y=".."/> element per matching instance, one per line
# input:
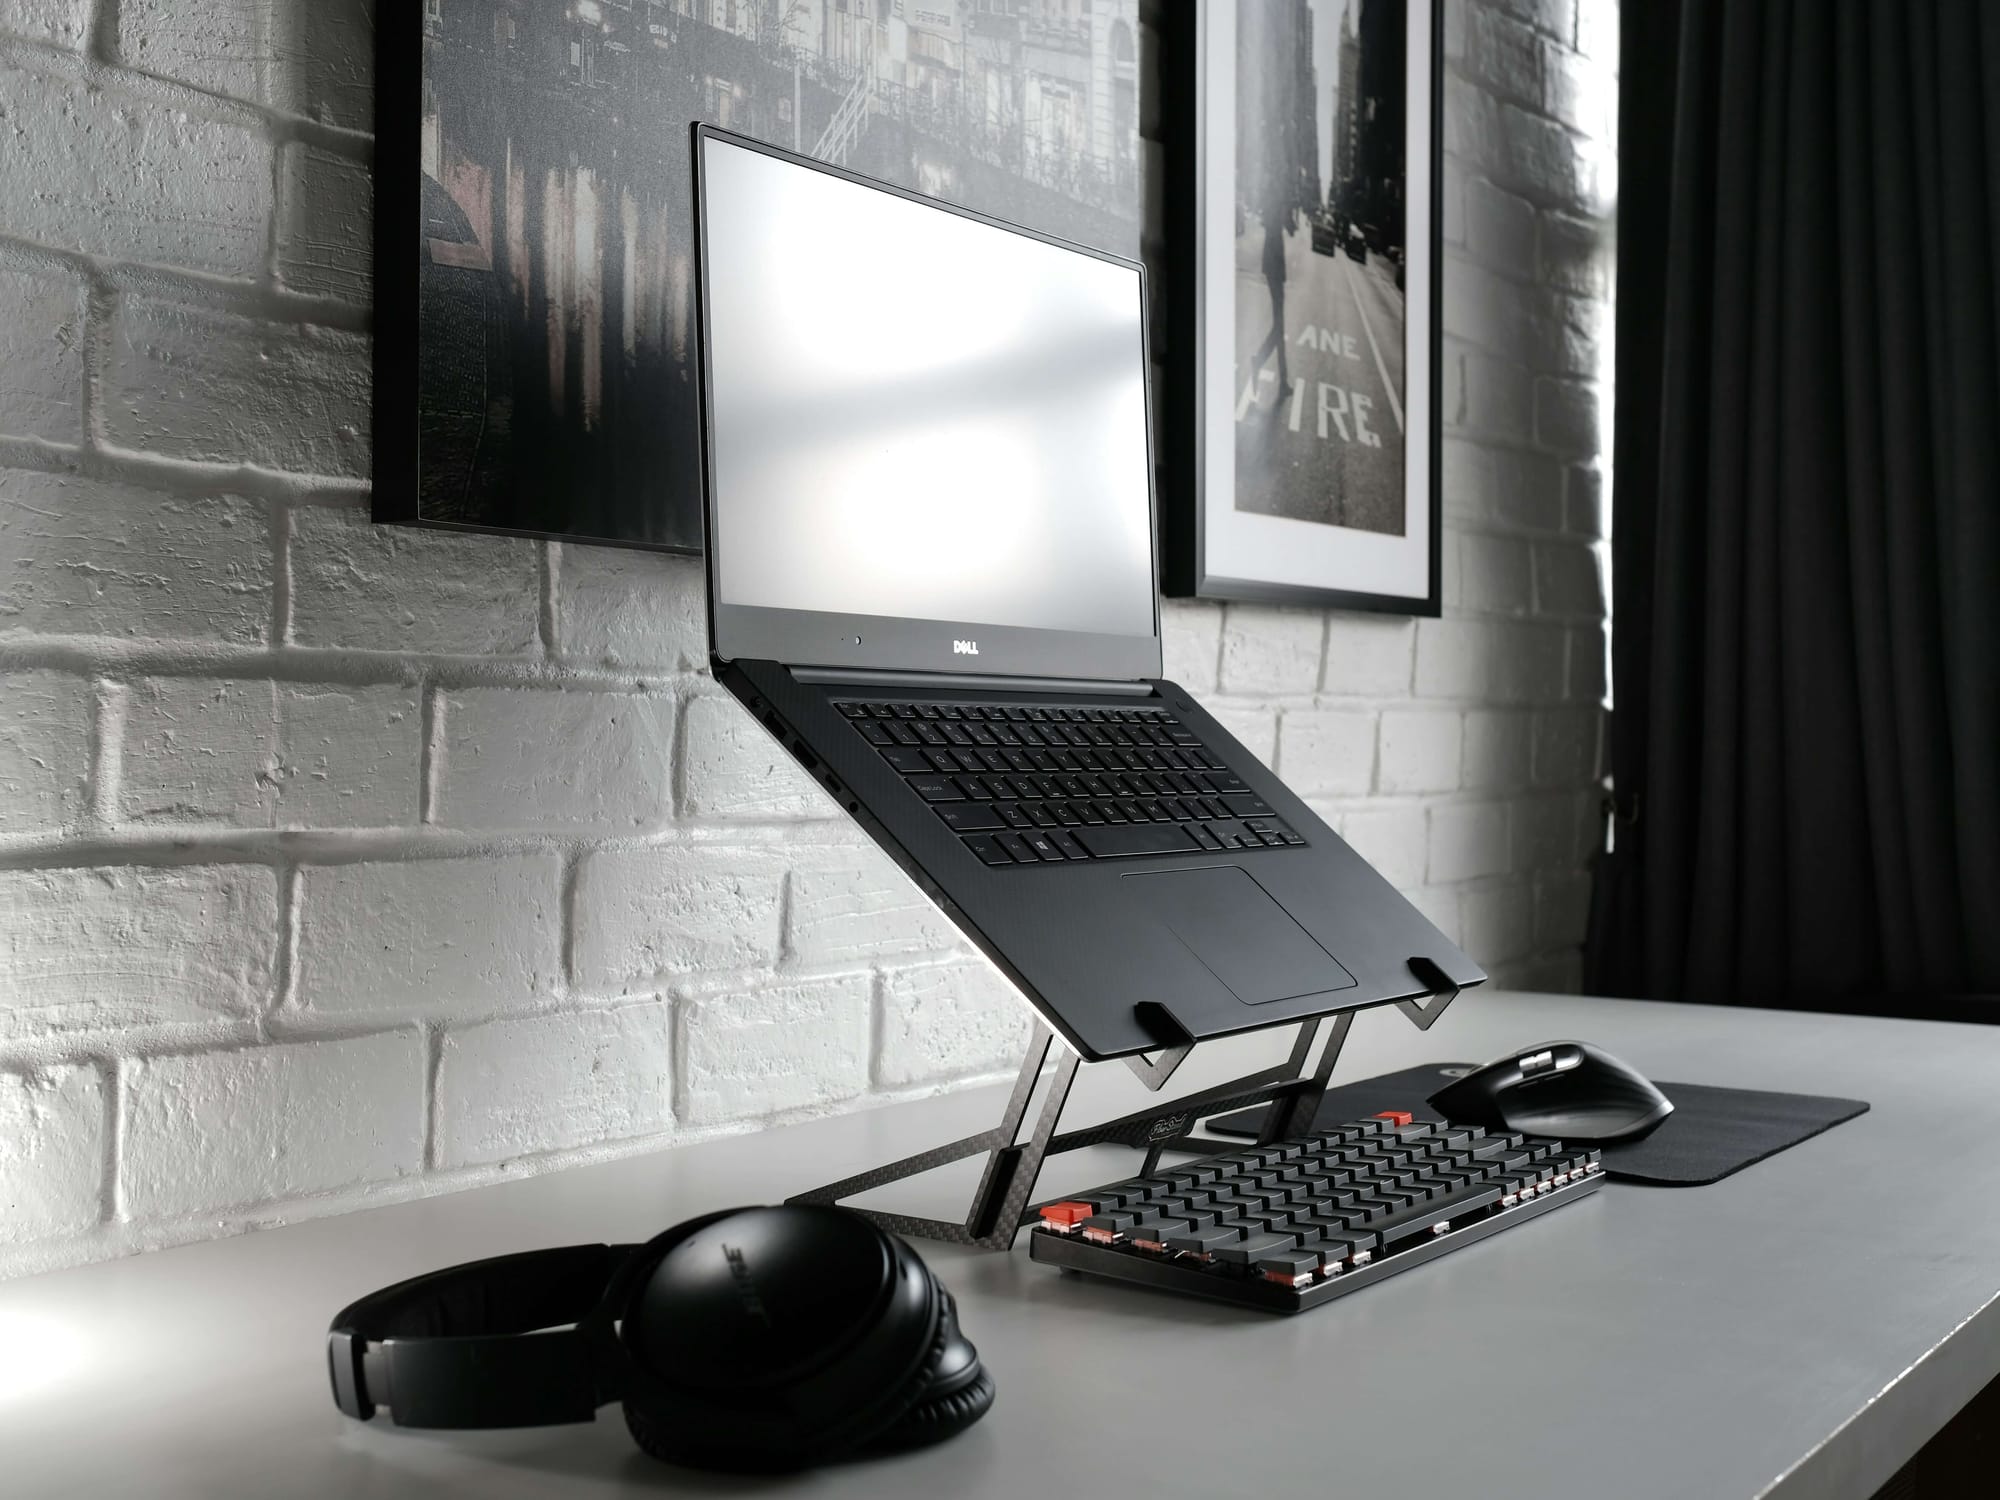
<point x="645" y="914"/>
<point x="1499" y="228"/>
<point x="1597" y="29"/>
<point x="1497" y="749"/>
<point x="949" y="1021"/>
<point x="851" y="903"/>
<point x="1566" y="746"/>
<point x="1573" y="93"/>
<point x="1499" y="398"/>
<point x="1586" y="665"/>
<point x="1369" y="655"/>
<point x="769" y="1047"/>
<point x="212" y="44"/>
<point x="1255" y="728"/>
<point x="1468" y="840"/>
<point x="627" y="608"/>
<point x="267" y="755"/>
<point x="1556" y="18"/>
<point x="1327" y="752"/>
<point x="122" y="946"/>
<point x="196" y="383"/>
<point x="65" y="23"/>
<point x="217" y="1130"/>
<point x="1503" y="55"/>
<point x="1270" y="651"/>
<point x="1583" y="502"/>
<point x="51" y="1153"/>
<point x="1482" y="483"/>
<point x="391" y="588"/>
<point x="1490" y="662"/>
<point x="1421" y="751"/>
<point x="1562" y="910"/>
<point x="323" y="62"/>
<point x="443" y="937"/>
<point x="1537" y="158"/>
<point x="1566" y="415"/>
<point x="81" y="557"/>
<point x="732" y="768"/>
<point x="1573" y="253"/>
<point x="1391" y="839"/>
<point x="41" y="349"/>
<point x="100" y="171"/>
<point x="1191" y="642"/>
<point x="1553" y="832"/>
<point x="1498" y="923"/>
<point x="528" y="758"/>
<point x="45" y="728"/>
<point x="1497" y="574"/>
<point x="515" y="1087"/>
<point x="325" y="224"/>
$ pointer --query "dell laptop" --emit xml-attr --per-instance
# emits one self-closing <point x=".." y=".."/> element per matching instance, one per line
<point x="928" y="475"/>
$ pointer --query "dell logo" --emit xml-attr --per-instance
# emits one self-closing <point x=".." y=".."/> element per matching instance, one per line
<point x="965" y="648"/>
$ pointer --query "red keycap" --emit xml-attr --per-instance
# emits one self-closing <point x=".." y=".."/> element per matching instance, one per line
<point x="1066" y="1213"/>
<point x="1397" y="1117"/>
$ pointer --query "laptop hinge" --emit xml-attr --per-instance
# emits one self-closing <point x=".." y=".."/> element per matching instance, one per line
<point x="864" y="677"/>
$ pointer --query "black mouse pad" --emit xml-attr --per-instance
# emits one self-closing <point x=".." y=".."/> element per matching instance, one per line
<point x="1711" y="1133"/>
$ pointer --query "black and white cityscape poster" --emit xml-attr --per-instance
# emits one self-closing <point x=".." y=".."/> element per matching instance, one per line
<point x="534" y="366"/>
<point x="1317" y="267"/>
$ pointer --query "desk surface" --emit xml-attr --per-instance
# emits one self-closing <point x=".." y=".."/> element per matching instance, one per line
<point x="1799" y="1329"/>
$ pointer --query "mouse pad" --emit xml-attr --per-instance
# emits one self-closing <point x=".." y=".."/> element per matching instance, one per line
<point x="1711" y="1133"/>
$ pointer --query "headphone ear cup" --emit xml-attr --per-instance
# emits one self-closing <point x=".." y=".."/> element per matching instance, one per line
<point x="957" y="1389"/>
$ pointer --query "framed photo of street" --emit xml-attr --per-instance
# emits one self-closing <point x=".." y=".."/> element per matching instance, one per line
<point x="1300" y="392"/>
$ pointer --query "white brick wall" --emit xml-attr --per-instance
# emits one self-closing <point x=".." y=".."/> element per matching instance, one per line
<point x="341" y="862"/>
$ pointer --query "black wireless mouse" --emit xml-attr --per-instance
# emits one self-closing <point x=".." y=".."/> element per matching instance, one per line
<point x="1570" y="1090"/>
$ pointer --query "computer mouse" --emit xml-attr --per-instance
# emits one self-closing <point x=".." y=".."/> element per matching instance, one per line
<point x="1570" y="1090"/>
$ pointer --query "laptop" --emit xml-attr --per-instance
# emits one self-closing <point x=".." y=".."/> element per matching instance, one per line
<point x="928" y="483"/>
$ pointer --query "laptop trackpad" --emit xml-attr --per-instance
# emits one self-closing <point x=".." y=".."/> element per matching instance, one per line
<point x="1242" y="936"/>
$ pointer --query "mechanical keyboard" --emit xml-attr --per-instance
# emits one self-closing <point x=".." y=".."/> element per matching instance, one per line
<point x="1298" y="1222"/>
<point x="1034" y="784"/>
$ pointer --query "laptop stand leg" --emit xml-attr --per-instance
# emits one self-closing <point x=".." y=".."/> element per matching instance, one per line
<point x="1007" y="1183"/>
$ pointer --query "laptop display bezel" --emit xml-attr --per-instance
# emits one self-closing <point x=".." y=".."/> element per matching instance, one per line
<point x="798" y="637"/>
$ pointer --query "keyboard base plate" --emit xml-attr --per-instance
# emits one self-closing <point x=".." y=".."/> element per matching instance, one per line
<point x="1074" y="1253"/>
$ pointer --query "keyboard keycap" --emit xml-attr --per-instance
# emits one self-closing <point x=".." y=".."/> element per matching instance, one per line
<point x="989" y="851"/>
<point x="935" y="789"/>
<point x="970" y="817"/>
<point x="1121" y="841"/>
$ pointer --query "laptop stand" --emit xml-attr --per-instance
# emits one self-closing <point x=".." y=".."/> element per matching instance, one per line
<point x="1000" y="1205"/>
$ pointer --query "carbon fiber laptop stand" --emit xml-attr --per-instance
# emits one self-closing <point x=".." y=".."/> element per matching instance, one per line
<point x="1000" y="1204"/>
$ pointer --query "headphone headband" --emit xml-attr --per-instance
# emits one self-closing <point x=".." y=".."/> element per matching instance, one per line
<point x="478" y="1345"/>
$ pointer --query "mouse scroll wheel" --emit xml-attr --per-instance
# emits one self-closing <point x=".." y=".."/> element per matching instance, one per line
<point x="1538" y="1062"/>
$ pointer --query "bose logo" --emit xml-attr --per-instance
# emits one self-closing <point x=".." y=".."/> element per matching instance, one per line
<point x="965" y="648"/>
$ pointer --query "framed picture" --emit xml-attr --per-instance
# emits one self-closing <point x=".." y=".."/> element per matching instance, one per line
<point x="533" y="369"/>
<point x="1300" y="453"/>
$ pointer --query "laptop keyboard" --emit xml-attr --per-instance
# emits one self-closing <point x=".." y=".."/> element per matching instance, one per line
<point x="1034" y="784"/>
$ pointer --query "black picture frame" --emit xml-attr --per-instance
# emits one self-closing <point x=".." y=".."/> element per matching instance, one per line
<point x="1190" y="496"/>
<point x="943" y="100"/>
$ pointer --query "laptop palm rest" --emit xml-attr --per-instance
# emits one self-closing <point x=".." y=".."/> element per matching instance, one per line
<point x="1238" y="932"/>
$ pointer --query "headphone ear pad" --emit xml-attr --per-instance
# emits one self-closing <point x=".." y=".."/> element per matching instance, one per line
<point x="936" y="1418"/>
<point x="957" y="1390"/>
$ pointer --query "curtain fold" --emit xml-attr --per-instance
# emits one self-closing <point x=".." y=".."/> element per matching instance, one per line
<point x="1806" y="662"/>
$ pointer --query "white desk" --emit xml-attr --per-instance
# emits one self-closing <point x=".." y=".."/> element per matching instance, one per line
<point x="1799" y="1329"/>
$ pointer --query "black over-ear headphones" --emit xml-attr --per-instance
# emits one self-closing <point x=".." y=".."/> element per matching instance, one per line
<point x="758" y="1338"/>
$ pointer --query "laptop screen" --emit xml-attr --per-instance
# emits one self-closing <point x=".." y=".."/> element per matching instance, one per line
<point x="917" y="418"/>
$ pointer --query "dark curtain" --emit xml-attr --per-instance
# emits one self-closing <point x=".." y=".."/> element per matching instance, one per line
<point x="1806" y="550"/>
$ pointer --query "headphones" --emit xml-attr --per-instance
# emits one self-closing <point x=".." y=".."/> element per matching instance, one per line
<point x="753" y="1339"/>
